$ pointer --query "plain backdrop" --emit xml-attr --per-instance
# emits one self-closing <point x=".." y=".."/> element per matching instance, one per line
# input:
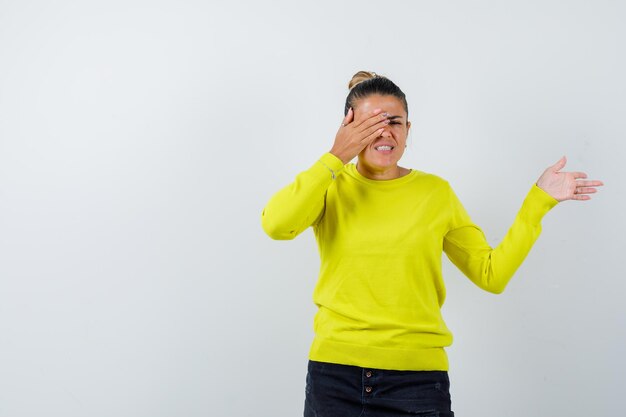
<point x="140" y="140"/>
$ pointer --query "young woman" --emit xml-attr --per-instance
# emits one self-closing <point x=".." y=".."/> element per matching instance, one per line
<point x="381" y="231"/>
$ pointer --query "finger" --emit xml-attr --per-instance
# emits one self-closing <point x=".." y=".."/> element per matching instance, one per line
<point x="591" y="183"/>
<point x="375" y="122"/>
<point x="559" y="164"/>
<point x="585" y="190"/>
<point x="364" y="116"/>
<point x="372" y="137"/>
<point x="367" y="120"/>
<point x="378" y="128"/>
<point x="581" y="197"/>
<point x="578" y="175"/>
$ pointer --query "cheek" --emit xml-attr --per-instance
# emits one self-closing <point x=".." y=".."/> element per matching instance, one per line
<point x="400" y="132"/>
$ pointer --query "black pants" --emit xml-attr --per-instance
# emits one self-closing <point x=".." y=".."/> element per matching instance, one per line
<point x="334" y="390"/>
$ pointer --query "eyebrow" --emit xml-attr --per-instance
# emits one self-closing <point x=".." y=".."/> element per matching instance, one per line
<point x="394" y="117"/>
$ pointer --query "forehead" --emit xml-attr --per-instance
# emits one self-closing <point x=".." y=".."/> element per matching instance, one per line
<point x="389" y="104"/>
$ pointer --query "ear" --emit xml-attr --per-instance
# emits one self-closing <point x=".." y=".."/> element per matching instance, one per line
<point x="408" y="125"/>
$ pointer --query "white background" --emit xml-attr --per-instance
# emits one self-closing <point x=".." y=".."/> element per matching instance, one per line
<point x="140" y="140"/>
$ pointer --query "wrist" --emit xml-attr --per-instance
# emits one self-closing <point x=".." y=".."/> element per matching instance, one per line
<point x="340" y="156"/>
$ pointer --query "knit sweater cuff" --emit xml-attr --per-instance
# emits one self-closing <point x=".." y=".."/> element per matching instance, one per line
<point x="537" y="204"/>
<point x="333" y="164"/>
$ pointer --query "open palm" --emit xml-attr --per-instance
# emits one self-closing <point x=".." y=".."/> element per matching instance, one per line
<point x="567" y="185"/>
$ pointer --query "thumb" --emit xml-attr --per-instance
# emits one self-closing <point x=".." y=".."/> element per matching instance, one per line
<point x="349" y="116"/>
<point x="560" y="164"/>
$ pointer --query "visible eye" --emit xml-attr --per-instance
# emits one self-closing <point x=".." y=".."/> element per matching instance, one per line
<point x="394" y="123"/>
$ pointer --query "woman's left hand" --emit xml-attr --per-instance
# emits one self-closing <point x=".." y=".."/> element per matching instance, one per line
<point x="566" y="185"/>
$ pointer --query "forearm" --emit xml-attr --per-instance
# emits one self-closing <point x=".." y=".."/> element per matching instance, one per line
<point x="300" y="204"/>
<point x="492" y="268"/>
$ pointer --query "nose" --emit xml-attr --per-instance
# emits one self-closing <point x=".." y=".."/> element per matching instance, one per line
<point x="385" y="133"/>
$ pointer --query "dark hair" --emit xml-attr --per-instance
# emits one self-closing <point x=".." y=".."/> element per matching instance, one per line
<point x="364" y="84"/>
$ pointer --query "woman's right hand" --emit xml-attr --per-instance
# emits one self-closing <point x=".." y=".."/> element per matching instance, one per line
<point x="354" y="135"/>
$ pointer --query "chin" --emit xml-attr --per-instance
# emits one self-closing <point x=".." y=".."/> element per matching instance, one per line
<point x="379" y="162"/>
<point x="372" y="158"/>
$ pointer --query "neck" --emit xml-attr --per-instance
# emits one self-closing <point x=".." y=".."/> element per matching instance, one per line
<point x="387" y="173"/>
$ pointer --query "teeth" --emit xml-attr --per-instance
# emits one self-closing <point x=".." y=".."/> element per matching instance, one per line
<point x="383" y="148"/>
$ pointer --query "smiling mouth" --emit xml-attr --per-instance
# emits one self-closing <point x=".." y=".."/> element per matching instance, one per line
<point x="384" y="148"/>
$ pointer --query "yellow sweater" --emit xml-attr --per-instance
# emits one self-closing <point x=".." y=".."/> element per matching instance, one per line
<point x="380" y="288"/>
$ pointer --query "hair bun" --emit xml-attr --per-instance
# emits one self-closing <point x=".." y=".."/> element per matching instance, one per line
<point x="361" y="76"/>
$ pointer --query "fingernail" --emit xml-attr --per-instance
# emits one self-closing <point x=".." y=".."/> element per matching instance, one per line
<point x="385" y="115"/>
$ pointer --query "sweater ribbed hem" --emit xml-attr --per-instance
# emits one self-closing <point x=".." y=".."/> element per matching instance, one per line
<point x="427" y="359"/>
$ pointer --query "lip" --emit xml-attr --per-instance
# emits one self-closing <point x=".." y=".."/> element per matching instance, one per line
<point x="375" y="145"/>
